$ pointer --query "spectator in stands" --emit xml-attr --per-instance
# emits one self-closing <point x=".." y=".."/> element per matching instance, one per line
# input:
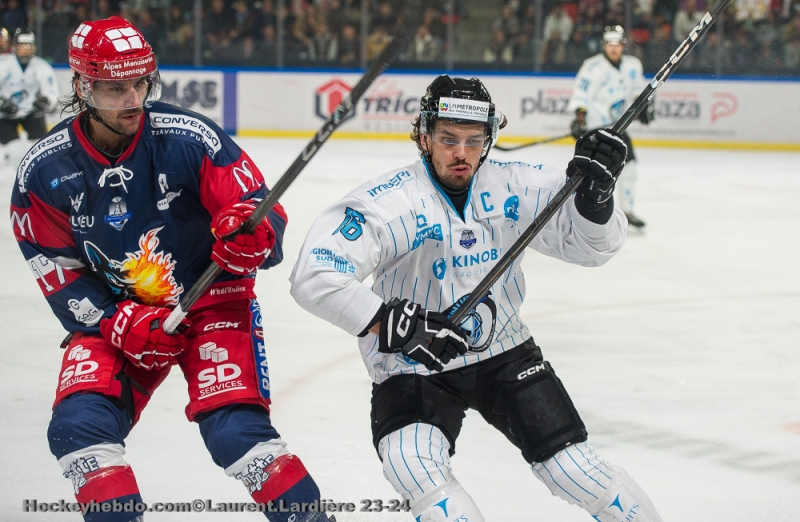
<point x="529" y="20"/>
<point x="791" y="53"/>
<point x="712" y="50"/>
<point x="424" y="47"/>
<point x="768" y="33"/>
<point x="349" y="47"/>
<point x="376" y="41"/>
<point x="14" y="17"/>
<point x="266" y="16"/>
<point x="742" y="48"/>
<point x="557" y="21"/>
<point x="149" y="27"/>
<point x="577" y="50"/>
<point x="243" y="24"/>
<point x="385" y="17"/>
<point x="305" y="26"/>
<point x="104" y="9"/>
<point x="336" y="16"/>
<point x="180" y="36"/>
<point x="591" y="26"/>
<point x="267" y="46"/>
<point x="685" y="20"/>
<point x="523" y="50"/>
<point x="433" y="19"/>
<point x="323" y="46"/>
<point x="498" y="53"/>
<point x="507" y="22"/>
<point x="554" y="51"/>
<point x="660" y="47"/>
<point x="217" y="26"/>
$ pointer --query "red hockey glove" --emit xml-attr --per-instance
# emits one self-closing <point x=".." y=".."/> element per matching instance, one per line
<point x="137" y="330"/>
<point x="243" y="253"/>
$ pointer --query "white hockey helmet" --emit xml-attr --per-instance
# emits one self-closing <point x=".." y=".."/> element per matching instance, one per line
<point x="614" y="35"/>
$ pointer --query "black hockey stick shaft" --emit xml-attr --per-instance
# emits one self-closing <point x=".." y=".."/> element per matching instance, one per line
<point x="412" y="15"/>
<point x="507" y="148"/>
<point x="566" y="191"/>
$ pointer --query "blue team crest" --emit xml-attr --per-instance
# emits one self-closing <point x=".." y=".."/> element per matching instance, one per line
<point x="511" y="208"/>
<point x="479" y="323"/>
<point x="439" y="268"/>
<point x="467" y="239"/>
<point x="118" y="213"/>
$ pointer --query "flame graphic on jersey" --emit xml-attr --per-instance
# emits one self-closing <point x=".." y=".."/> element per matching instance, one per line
<point x="146" y="276"/>
<point x="151" y="273"/>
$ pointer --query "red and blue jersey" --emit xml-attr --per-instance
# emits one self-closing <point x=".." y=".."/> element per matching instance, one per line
<point x="96" y="233"/>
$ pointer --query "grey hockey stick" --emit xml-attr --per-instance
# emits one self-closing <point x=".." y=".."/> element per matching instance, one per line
<point x="505" y="148"/>
<point x="411" y="16"/>
<point x="467" y="303"/>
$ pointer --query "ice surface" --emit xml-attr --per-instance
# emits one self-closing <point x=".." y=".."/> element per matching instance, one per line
<point x="682" y="355"/>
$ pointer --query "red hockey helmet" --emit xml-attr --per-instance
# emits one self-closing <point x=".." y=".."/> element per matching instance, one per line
<point x="112" y="50"/>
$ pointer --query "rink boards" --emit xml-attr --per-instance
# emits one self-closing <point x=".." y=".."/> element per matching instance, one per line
<point x="691" y="112"/>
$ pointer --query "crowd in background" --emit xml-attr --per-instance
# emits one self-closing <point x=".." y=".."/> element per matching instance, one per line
<point x="759" y="36"/>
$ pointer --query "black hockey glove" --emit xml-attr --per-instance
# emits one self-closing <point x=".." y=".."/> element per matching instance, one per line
<point x="8" y="107"/>
<point x="601" y="156"/>
<point x="648" y="114"/>
<point x="41" y="103"/>
<point x="426" y="336"/>
<point x="578" y="126"/>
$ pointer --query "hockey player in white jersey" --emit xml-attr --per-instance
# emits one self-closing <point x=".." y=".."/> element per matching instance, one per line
<point x="606" y="85"/>
<point x="28" y="90"/>
<point x="427" y="233"/>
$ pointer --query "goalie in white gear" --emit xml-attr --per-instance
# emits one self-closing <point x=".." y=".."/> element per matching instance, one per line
<point x="427" y="233"/>
<point x="27" y="92"/>
<point x="606" y="85"/>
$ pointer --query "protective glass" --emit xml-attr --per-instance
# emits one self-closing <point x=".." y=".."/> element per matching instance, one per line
<point x="448" y="141"/>
<point x="118" y="95"/>
<point x="428" y="119"/>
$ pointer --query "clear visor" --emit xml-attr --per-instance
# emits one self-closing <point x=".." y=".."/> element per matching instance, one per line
<point x="120" y="95"/>
<point x="428" y="119"/>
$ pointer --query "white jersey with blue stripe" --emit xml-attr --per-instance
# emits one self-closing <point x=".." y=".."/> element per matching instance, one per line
<point x="606" y="91"/>
<point x="403" y="230"/>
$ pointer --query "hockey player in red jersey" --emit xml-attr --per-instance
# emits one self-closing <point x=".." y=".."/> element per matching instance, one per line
<point x="117" y="211"/>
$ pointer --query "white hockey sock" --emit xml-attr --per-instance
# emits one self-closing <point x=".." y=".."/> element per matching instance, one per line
<point x="579" y="475"/>
<point x="625" y="190"/>
<point x="625" y="501"/>
<point x="416" y="461"/>
<point x="449" y="503"/>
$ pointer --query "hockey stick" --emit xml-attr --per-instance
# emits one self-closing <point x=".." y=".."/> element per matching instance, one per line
<point x="531" y="144"/>
<point x="411" y="17"/>
<point x="467" y="303"/>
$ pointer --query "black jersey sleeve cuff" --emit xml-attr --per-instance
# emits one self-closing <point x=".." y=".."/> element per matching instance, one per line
<point x="375" y="320"/>
<point x="599" y="216"/>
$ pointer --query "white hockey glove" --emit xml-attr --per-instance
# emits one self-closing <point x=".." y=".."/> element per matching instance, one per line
<point x="426" y="336"/>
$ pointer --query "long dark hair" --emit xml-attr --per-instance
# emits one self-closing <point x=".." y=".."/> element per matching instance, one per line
<point x="72" y="102"/>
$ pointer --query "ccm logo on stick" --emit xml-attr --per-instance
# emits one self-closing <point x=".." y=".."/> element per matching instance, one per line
<point x="530" y="371"/>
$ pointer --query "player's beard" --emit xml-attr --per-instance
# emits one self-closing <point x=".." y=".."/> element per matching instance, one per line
<point x="126" y="122"/>
<point x="454" y="181"/>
